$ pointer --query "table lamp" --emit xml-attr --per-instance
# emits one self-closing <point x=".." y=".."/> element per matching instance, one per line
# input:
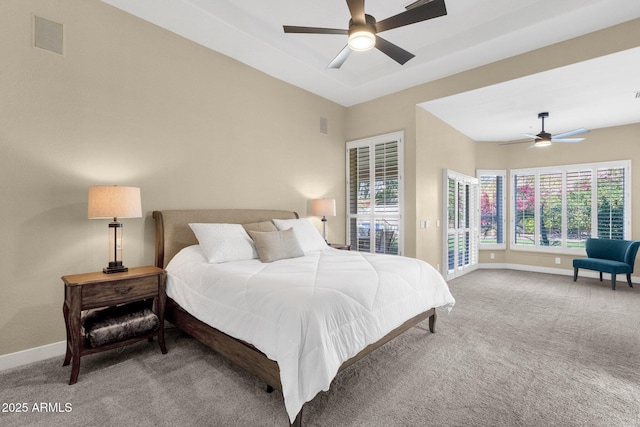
<point x="324" y="207"/>
<point x="113" y="202"/>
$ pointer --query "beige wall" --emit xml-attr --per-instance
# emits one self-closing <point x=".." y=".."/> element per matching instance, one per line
<point x="439" y="146"/>
<point x="129" y="103"/>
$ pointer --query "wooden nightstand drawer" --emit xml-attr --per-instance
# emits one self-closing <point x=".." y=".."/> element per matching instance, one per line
<point x="103" y="294"/>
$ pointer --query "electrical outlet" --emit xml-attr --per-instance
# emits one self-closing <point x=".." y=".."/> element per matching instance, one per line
<point x="557" y="260"/>
<point x="492" y="255"/>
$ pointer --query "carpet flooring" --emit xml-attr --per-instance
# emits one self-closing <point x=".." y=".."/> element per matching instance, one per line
<point x="518" y="349"/>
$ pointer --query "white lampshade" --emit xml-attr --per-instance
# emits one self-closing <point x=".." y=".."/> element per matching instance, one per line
<point x="323" y="207"/>
<point x="113" y="201"/>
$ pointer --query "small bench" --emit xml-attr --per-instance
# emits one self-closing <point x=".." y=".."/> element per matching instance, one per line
<point x="608" y="256"/>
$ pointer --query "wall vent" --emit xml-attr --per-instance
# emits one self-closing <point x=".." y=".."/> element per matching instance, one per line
<point x="324" y="125"/>
<point x="48" y="35"/>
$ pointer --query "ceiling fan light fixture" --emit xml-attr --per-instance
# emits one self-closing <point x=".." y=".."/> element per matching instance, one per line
<point x="542" y="142"/>
<point x="361" y="39"/>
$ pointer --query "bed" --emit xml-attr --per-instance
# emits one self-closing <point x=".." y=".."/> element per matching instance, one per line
<point x="297" y="321"/>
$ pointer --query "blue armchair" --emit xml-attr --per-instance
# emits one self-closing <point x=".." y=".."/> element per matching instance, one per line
<point x="609" y="256"/>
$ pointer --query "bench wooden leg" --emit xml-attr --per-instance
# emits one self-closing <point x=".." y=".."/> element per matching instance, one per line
<point x="601" y="276"/>
<point x="613" y="281"/>
<point x="629" y="280"/>
<point x="575" y="274"/>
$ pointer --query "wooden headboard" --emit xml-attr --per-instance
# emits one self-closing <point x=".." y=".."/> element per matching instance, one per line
<point x="173" y="232"/>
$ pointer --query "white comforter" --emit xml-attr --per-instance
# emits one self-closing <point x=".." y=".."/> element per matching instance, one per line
<point x="309" y="314"/>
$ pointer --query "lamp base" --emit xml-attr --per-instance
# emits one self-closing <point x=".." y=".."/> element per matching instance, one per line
<point x="115" y="267"/>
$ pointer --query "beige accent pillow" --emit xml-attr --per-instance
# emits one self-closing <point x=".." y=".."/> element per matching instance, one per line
<point x="260" y="226"/>
<point x="275" y="245"/>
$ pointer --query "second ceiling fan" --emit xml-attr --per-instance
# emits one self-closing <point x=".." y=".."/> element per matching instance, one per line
<point x="363" y="29"/>
<point x="544" y="139"/>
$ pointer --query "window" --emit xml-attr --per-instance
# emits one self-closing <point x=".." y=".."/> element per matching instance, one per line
<point x="558" y="208"/>
<point x="374" y="194"/>
<point x="492" y="214"/>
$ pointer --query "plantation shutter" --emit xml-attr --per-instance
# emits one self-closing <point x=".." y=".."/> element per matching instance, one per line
<point x="374" y="191"/>
<point x="579" y="206"/>
<point x="550" y="209"/>
<point x="492" y="215"/>
<point x="611" y="201"/>
<point x="524" y="207"/>
<point x="569" y="204"/>
<point x="461" y="196"/>
<point x="359" y="200"/>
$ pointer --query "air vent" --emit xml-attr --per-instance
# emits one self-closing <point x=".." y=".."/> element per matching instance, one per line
<point x="48" y="35"/>
<point x="324" y="125"/>
<point x="416" y="4"/>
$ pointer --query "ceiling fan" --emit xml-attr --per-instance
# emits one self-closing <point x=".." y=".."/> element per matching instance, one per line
<point x="363" y="29"/>
<point x="544" y="139"/>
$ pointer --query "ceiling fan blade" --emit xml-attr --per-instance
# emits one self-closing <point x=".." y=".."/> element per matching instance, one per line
<point x="313" y="30"/>
<point x="394" y="52"/>
<point x="430" y="10"/>
<point x="514" y="142"/>
<point x="356" y="8"/>
<point x="573" y="140"/>
<point x="571" y="133"/>
<point x="340" y="58"/>
<point x="530" y="135"/>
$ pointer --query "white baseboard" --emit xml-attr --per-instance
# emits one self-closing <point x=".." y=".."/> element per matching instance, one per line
<point x="548" y="270"/>
<point x="24" y="357"/>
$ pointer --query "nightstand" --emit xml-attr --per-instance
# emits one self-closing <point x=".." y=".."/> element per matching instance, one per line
<point x="342" y="246"/>
<point x="113" y="294"/>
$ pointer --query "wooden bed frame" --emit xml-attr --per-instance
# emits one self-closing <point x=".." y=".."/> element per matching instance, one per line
<point x="173" y="234"/>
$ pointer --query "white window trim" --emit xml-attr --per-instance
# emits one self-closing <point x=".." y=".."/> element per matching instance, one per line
<point x="626" y="164"/>
<point x="372" y="141"/>
<point x="501" y="173"/>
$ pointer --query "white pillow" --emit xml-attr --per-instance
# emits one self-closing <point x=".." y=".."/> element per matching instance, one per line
<point x="306" y="233"/>
<point x="224" y="242"/>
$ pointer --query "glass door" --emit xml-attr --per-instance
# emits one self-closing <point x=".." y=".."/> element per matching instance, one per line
<point x="461" y="231"/>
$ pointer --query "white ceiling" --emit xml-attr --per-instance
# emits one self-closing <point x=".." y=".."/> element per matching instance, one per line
<point x="592" y="94"/>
